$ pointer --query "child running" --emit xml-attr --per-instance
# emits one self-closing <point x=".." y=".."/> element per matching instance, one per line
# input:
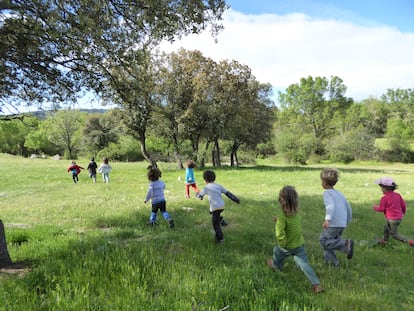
<point x="337" y="217"/>
<point x="290" y="238"/>
<point x="189" y="178"/>
<point x="156" y="195"/>
<point x="75" y="170"/>
<point x="214" y="192"/>
<point x="92" y="166"/>
<point x="105" y="169"/>
<point x="393" y="206"/>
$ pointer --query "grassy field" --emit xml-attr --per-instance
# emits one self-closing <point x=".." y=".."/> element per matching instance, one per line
<point x="89" y="246"/>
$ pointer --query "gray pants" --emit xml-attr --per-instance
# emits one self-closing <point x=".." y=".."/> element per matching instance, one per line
<point x="330" y="240"/>
<point x="391" y="229"/>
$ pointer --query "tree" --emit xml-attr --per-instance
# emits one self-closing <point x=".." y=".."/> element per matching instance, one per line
<point x="51" y="49"/>
<point x="316" y="106"/>
<point x="13" y="133"/>
<point x="64" y="130"/>
<point x="178" y="73"/>
<point x="100" y="130"/>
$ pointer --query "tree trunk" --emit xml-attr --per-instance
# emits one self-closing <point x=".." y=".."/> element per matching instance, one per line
<point x="217" y="148"/>
<point x="177" y="153"/>
<point x="4" y="254"/>
<point x="145" y="153"/>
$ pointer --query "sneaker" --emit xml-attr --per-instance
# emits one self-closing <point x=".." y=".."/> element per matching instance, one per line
<point x="316" y="288"/>
<point x="269" y="262"/>
<point x="350" y="246"/>
<point x="171" y="222"/>
<point x="220" y="241"/>
<point x="381" y="242"/>
<point x="152" y="224"/>
<point x="223" y="223"/>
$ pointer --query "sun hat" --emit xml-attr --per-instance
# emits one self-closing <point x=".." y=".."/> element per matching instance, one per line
<point x="385" y="181"/>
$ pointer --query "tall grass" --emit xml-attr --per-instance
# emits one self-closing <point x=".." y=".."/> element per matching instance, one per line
<point x="90" y="248"/>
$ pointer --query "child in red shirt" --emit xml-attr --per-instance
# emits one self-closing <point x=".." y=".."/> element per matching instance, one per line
<point x="75" y="170"/>
<point x="393" y="206"/>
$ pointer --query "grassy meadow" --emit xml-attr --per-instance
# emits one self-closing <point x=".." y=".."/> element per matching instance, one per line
<point x="89" y="246"/>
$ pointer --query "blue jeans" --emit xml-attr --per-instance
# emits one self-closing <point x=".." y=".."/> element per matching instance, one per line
<point x="330" y="240"/>
<point x="105" y="177"/>
<point x="300" y="258"/>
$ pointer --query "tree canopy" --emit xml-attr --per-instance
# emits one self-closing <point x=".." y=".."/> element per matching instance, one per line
<point x="53" y="49"/>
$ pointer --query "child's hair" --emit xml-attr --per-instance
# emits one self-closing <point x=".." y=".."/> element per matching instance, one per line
<point x="73" y="162"/>
<point x="330" y="176"/>
<point x="288" y="199"/>
<point x="389" y="188"/>
<point x="106" y="160"/>
<point x="92" y="159"/>
<point x="209" y="176"/>
<point x="191" y="164"/>
<point x="154" y="173"/>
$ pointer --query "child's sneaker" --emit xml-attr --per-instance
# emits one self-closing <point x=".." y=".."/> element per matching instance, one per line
<point x="316" y="288"/>
<point x="171" y="222"/>
<point x="381" y="242"/>
<point x="223" y="223"/>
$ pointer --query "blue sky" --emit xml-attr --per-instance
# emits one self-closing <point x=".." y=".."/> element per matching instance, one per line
<point x="368" y="44"/>
<point x="396" y="13"/>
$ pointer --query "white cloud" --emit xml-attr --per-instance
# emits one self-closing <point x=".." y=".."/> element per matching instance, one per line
<point x="282" y="49"/>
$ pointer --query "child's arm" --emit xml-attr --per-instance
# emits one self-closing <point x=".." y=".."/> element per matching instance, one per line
<point x="232" y="197"/>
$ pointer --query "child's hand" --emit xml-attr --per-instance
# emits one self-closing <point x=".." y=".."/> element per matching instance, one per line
<point x="325" y="224"/>
<point x="374" y="207"/>
<point x="274" y="218"/>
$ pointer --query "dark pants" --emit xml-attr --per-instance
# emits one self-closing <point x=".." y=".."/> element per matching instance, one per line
<point x="75" y="178"/>
<point x="216" y="219"/>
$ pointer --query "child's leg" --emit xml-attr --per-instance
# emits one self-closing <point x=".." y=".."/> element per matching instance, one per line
<point x="216" y="218"/>
<point x="393" y="230"/>
<point x="74" y="178"/>
<point x="187" y="190"/>
<point x="330" y="240"/>
<point x="301" y="260"/>
<point x="279" y="256"/>
<point x="153" y="215"/>
<point x="163" y="209"/>
<point x="194" y="186"/>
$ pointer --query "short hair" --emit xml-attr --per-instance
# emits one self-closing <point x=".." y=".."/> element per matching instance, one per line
<point x="106" y="160"/>
<point x="191" y="164"/>
<point x="289" y="200"/>
<point x="209" y="176"/>
<point x="330" y="176"/>
<point x="154" y="174"/>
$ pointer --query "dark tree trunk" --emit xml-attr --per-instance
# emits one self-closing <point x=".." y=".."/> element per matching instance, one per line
<point x="4" y="254"/>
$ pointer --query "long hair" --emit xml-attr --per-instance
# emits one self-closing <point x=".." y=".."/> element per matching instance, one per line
<point x="289" y="200"/>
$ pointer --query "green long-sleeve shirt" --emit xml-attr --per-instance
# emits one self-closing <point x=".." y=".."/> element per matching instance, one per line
<point x="289" y="231"/>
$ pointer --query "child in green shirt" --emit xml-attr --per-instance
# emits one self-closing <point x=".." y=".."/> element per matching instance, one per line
<point x="290" y="238"/>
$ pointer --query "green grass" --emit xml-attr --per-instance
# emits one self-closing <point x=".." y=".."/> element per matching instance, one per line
<point x="89" y="246"/>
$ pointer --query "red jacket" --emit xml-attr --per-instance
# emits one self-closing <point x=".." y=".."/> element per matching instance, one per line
<point x="392" y="205"/>
<point x="75" y="167"/>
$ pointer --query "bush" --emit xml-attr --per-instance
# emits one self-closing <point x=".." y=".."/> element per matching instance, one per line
<point x="356" y="144"/>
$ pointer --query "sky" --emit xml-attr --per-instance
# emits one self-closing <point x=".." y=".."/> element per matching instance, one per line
<point x="369" y="44"/>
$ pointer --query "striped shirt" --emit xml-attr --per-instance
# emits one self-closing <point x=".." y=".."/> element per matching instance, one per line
<point x="289" y="231"/>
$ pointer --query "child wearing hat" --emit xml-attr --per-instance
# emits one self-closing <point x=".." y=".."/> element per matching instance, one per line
<point x="393" y="206"/>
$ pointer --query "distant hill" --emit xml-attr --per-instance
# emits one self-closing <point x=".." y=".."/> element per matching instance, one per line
<point x="42" y="114"/>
